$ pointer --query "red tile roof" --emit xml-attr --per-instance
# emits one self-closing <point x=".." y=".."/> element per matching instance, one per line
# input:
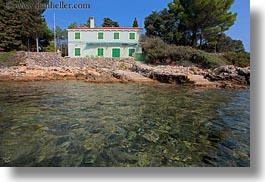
<point x="106" y="28"/>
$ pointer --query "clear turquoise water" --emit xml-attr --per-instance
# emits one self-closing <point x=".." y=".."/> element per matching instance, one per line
<point x="73" y="123"/>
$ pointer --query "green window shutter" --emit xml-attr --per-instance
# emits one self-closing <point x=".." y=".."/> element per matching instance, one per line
<point x="132" y="35"/>
<point x="100" y="35"/>
<point x="116" y="36"/>
<point x="116" y="53"/>
<point x="77" y="52"/>
<point x="131" y="51"/>
<point x="100" y="52"/>
<point x="77" y="35"/>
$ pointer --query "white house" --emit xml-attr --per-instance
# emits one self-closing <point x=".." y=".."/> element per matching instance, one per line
<point x="94" y="41"/>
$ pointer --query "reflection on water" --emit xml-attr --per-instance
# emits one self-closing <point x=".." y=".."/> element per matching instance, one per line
<point x="72" y="123"/>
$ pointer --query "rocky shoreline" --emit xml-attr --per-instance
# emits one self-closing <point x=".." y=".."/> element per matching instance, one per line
<point x="51" y="66"/>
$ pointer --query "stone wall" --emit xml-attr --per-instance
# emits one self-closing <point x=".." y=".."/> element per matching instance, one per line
<point x="55" y="60"/>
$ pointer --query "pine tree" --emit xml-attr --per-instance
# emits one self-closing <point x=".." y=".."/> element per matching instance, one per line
<point x="107" y="22"/>
<point x="185" y="22"/>
<point x="73" y="25"/>
<point x="20" y="28"/>
<point x="135" y="23"/>
<point x="199" y="15"/>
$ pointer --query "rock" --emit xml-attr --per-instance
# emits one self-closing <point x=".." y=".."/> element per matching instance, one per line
<point x="230" y="69"/>
<point x="50" y="66"/>
<point x="244" y="72"/>
<point x="200" y="81"/>
<point x="130" y="76"/>
<point x="144" y="159"/>
<point x="170" y="78"/>
<point x="151" y="136"/>
<point x="80" y="76"/>
<point x="236" y="75"/>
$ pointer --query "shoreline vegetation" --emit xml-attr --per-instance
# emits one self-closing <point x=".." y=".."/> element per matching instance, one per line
<point x="32" y="66"/>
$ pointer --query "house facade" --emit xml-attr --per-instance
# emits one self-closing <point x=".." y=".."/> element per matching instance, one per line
<point x="115" y="42"/>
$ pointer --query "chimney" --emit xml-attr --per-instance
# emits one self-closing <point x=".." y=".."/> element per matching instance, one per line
<point x="92" y="22"/>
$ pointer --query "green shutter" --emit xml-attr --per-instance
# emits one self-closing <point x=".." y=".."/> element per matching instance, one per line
<point x="77" y="35"/>
<point x="132" y="35"/>
<point x="116" y="53"/>
<point x="100" y="35"/>
<point x="77" y="52"/>
<point x="131" y="51"/>
<point x="116" y="36"/>
<point x="100" y="52"/>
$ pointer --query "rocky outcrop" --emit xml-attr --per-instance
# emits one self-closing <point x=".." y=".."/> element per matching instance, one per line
<point x="229" y="75"/>
<point x="130" y="76"/>
<point x="224" y="76"/>
<point x="51" y="66"/>
<point x="173" y="74"/>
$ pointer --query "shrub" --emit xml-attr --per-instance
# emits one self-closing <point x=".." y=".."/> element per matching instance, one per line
<point x="155" y="49"/>
<point x="158" y="52"/>
<point x="241" y="59"/>
<point x="50" y="47"/>
<point x="207" y="60"/>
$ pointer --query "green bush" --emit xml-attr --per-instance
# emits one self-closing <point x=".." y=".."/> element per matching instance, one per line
<point x="207" y="60"/>
<point x="241" y="59"/>
<point x="158" y="52"/>
<point x="155" y="49"/>
<point x="50" y="47"/>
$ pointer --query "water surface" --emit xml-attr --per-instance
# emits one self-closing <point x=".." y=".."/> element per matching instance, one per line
<point x="73" y="123"/>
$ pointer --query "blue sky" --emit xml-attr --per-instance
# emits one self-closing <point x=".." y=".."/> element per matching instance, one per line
<point x="124" y="12"/>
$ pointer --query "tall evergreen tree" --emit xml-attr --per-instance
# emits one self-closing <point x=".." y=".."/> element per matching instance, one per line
<point x="135" y="23"/>
<point x="198" y="15"/>
<point x="20" y="27"/>
<point x="162" y="24"/>
<point x="185" y="22"/>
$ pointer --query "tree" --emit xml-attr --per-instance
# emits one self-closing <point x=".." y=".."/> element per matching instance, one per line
<point x="10" y="38"/>
<point x="198" y="15"/>
<point x="107" y="22"/>
<point x="135" y="23"/>
<point x="185" y="22"/>
<point x="61" y="37"/>
<point x="73" y="25"/>
<point x="227" y="44"/>
<point x="21" y="28"/>
<point x="88" y="22"/>
<point x="163" y="25"/>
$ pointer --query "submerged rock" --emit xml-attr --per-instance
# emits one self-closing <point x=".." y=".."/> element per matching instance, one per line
<point x="151" y="136"/>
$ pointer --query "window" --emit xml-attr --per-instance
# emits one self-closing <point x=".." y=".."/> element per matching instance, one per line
<point x="100" y="52"/>
<point x="77" y="35"/>
<point x="100" y="35"/>
<point x="132" y="35"/>
<point x="116" y="35"/>
<point x="116" y="52"/>
<point x="131" y="51"/>
<point x="77" y="52"/>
